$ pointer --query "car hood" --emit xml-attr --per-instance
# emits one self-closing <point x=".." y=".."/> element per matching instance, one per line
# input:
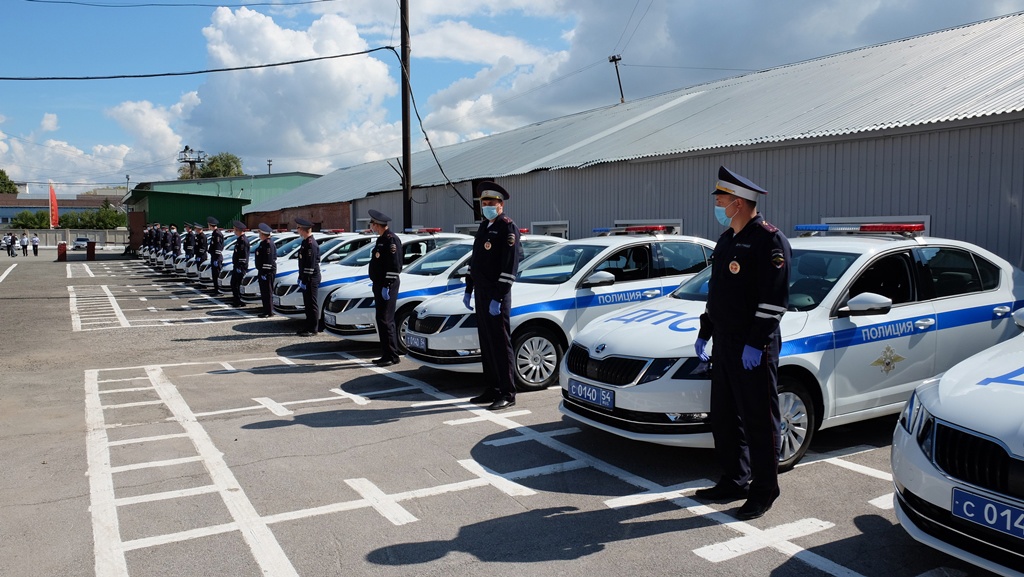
<point x="984" y="393"/>
<point x="662" y="327"/>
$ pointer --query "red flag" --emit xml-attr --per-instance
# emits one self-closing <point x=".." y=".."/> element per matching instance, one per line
<point x="54" y="219"/>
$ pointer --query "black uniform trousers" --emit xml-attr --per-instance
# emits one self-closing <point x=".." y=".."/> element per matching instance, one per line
<point x="745" y="419"/>
<point x="215" y="266"/>
<point x="385" y="320"/>
<point x="236" y="285"/>
<point x="267" y="290"/>
<point x="495" y="334"/>
<point x="310" y="303"/>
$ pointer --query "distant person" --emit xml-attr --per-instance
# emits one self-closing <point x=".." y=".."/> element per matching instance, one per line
<point x="24" y="244"/>
<point x="266" y="268"/>
<point x="216" y="252"/>
<point x="35" y="244"/>
<point x="239" y="263"/>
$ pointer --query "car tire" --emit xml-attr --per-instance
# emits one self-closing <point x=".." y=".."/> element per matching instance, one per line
<point x="402" y="326"/>
<point x="536" y="355"/>
<point x="797" y="415"/>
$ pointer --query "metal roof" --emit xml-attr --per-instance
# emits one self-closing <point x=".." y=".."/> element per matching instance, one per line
<point x="971" y="71"/>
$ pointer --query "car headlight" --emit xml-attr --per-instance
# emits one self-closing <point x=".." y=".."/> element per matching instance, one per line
<point x="916" y="420"/>
<point x="656" y="370"/>
<point x="909" y="412"/>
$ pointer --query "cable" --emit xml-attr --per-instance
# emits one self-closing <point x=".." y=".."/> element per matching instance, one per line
<point x="690" y="67"/>
<point x="638" y="23"/>
<point x="178" y="5"/>
<point x="195" y="72"/>
<point x="626" y="26"/>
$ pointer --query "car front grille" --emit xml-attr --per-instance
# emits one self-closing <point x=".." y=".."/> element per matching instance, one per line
<point x="427" y="325"/>
<point x="613" y="370"/>
<point x="337" y="306"/>
<point x="284" y="289"/>
<point x="978" y="461"/>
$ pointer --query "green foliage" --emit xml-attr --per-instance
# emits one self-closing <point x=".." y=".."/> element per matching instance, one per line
<point x="7" y="185"/>
<point x="220" y="165"/>
<point x="104" y="218"/>
<point x="27" y="219"/>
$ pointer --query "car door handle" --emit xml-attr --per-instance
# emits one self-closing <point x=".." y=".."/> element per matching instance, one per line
<point x="924" y="323"/>
<point x="651" y="294"/>
<point x="1001" y="311"/>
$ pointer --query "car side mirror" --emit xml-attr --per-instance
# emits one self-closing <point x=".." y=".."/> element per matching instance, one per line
<point x="598" y="279"/>
<point x="866" y="304"/>
<point x="333" y="257"/>
<point x="462" y="272"/>
<point x="1018" y="317"/>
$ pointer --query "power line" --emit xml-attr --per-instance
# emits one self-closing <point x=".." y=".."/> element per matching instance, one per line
<point x="638" y="23"/>
<point x="178" y="5"/>
<point x="193" y="72"/>
<point x="626" y="25"/>
<point x="691" y="67"/>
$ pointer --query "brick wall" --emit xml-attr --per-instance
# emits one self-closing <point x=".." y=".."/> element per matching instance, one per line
<point x="328" y="216"/>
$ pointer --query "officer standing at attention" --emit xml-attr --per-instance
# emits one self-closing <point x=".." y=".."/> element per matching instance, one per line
<point x="266" y="268"/>
<point x="239" y="263"/>
<point x="216" y="252"/>
<point x="492" y="270"/>
<point x="309" y="277"/>
<point x="200" y="244"/>
<point x="190" y="241"/>
<point x="747" y="295"/>
<point x="385" y="265"/>
<point x="175" y="242"/>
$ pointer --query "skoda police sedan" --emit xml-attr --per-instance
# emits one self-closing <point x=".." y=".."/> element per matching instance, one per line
<point x="350" y="312"/>
<point x="333" y="247"/>
<point x="556" y="293"/>
<point x="871" y="315"/>
<point x="287" y="298"/>
<point x="958" y="460"/>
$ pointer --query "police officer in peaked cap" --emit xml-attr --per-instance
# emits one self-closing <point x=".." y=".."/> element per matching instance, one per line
<point x="201" y="245"/>
<point x="216" y="252"/>
<point x="239" y="263"/>
<point x="309" y="277"/>
<point x="385" y="266"/>
<point x="492" y="270"/>
<point x="266" y="268"/>
<point x="747" y="295"/>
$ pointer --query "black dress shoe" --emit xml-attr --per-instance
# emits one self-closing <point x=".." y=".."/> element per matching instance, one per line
<point x="722" y="492"/>
<point x="756" y="506"/>
<point x="484" y="399"/>
<point x="382" y="362"/>
<point x="502" y="403"/>
<point x="306" y="333"/>
<point x="265" y="315"/>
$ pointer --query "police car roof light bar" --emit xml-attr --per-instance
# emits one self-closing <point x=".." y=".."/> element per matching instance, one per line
<point x="899" y="228"/>
<point x="422" y="230"/>
<point x="648" y="228"/>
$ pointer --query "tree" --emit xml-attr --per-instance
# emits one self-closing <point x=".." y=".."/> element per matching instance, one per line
<point x="220" y="165"/>
<point x="7" y="185"/>
<point x="103" y="219"/>
<point x="26" y="219"/>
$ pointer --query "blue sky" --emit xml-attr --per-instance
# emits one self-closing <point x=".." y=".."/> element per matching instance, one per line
<point x="478" y="67"/>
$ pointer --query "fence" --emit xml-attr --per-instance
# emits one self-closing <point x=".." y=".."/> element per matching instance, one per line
<point x="105" y="239"/>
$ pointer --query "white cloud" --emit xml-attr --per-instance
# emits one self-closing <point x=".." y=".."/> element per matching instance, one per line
<point x="49" y="123"/>
<point x="464" y="43"/>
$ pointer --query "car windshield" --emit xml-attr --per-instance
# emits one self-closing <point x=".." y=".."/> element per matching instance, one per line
<point x="337" y="248"/>
<point x="82" y="239"/>
<point x="283" y="250"/>
<point x="533" y="246"/>
<point x="440" y="260"/>
<point x="557" y="264"/>
<point x="812" y="275"/>
<point x="359" y="257"/>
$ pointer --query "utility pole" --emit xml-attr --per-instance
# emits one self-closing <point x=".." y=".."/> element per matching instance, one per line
<point x="269" y="162"/>
<point x="406" y="128"/>
<point x="191" y="158"/>
<point x="614" y="59"/>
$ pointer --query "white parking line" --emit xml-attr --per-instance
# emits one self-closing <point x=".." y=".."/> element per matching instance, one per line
<point x="7" y="272"/>
<point x="762" y="540"/>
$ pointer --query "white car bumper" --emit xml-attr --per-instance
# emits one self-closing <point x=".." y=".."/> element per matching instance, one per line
<point x="445" y="343"/>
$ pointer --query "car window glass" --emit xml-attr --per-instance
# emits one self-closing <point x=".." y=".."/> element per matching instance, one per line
<point x="952" y="271"/>
<point x="989" y="273"/>
<point x="413" y="250"/>
<point x="289" y="246"/>
<point x="888" y="276"/>
<point x="629" y="264"/>
<point x="812" y="274"/>
<point x="682" y="258"/>
<point x="532" y="247"/>
<point x="359" y="257"/>
<point x="439" y="261"/>
<point x="557" y="264"/>
<point x="694" y="289"/>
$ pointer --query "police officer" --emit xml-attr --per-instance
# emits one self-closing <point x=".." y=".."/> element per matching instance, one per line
<point x="189" y="243"/>
<point x="158" y="243"/>
<point x="493" y="267"/>
<point x="385" y="265"/>
<point x="201" y="244"/>
<point x="165" y="240"/>
<point x="266" y="268"/>
<point x="747" y="295"/>
<point x="216" y="252"/>
<point x="175" y="241"/>
<point x="309" y="277"/>
<point x="239" y="263"/>
<point x="147" y="236"/>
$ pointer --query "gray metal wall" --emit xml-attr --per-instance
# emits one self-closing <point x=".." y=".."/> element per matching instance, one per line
<point x="967" y="176"/>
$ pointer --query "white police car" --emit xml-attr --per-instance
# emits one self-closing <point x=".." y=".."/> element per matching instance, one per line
<point x="287" y="298"/>
<point x="557" y="292"/>
<point x="333" y="247"/>
<point x="205" y="273"/>
<point x="280" y="240"/>
<point x="870" y="317"/>
<point x="349" y="313"/>
<point x="958" y="460"/>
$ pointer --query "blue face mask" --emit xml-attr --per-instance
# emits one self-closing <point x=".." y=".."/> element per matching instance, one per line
<point x="722" y="217"/>
<point x="490" y="212"/>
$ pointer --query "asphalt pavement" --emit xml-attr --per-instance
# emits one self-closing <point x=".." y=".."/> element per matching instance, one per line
<point x="147" y="428"/>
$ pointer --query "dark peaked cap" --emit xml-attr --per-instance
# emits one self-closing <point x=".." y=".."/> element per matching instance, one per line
<point x="489" y="189"/>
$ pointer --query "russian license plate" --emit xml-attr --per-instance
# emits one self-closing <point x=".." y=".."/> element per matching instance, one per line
<point x="988" y="513"/>
<point x="416" y="342"/>
<point x="330" y="319"/>
<point x="277" y="300"/>
<point x="591" y="394"/>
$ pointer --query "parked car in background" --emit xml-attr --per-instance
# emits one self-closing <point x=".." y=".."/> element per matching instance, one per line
<point x="81" y="243"/>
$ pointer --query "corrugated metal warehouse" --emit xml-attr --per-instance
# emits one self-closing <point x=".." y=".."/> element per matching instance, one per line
<point x="929" y="129"/>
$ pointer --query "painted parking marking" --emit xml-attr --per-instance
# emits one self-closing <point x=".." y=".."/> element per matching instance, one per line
<point x="274" y="407"/>
<point x="884" y="502"/>
<point x="97" y="308"/>
<point x="7" y="272"/>
<point x="778" y="535"/>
